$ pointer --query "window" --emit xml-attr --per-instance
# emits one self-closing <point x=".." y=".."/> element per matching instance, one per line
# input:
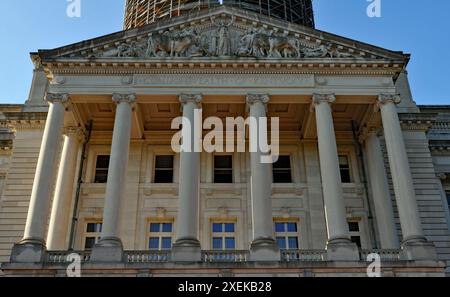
<point x="101" y="169"/>
<point x="92" y="234"/>
<point x="160" y="236"/>
<point x="223" y="169"/>
<point x="281" y="170"/>
<point x="448" y="199"/>
<point x="344" y="167"/>
<point x="223" y="236"/>
<point x="163" y="169"/>
<point x="287" y="235"/>
<point x="355" y="235"/>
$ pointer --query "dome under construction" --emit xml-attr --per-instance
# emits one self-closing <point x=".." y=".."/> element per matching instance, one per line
<point x="142" y="12"/>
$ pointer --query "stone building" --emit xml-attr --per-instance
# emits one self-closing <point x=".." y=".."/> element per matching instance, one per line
<point x="87" y="167"/>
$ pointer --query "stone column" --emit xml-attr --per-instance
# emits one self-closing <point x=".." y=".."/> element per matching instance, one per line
<point x="380" y="191"/>
<point x="109" y="248"/>
<point x="263" y="246"/>
<point x="32" y="246"/>
<point x="187" y="246"/>
<point x="339" y="245"/>
<point x="62" y="201"/>
<point x="415" y="245"/>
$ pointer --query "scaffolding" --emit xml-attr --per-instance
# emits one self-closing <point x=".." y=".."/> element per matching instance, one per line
<point x="294" y="11"/>
<point x="142" y="12"/>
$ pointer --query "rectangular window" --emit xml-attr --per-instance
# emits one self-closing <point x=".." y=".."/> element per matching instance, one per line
<point x="281" y="170"/>
<point x="160" y="236"/>
<point x="92" y="234"/>
<point x="223" y="169"/>
<point x="287" y="235"/>
<point x="448" y="199"/>
<point x="223" y="236"/>
<point x="355" y="234"/>
<point x="101" y="169"/>
<point x="344" y="167"/>
<point x="163" y="169"/>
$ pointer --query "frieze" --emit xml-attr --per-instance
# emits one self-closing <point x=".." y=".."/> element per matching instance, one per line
<point x="226" y="80"/>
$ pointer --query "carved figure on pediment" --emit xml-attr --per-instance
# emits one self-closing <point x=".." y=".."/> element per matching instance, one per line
<point x="322" y="51"/>
<point x="223" y="43"/>
<point x="159" y="45"/>
<point x="131" y="50"/>
<point x="115" y="52"/>
<point x="246" y="43"/>
<point x="336" y="53"/>
<point x="183" y="42"/>
<point x="222" y="37"/>
<point x="261" y="44"/>
<point x="284" y="47"/>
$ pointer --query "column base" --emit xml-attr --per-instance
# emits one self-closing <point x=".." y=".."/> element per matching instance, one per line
<point x="186" y="250"/>
<point x="264" y="250"/>
<point x="108" y="250"/>
<point x="28" y="251"/>
<point x="418" y="249"/>
<point x="342" y="249"/>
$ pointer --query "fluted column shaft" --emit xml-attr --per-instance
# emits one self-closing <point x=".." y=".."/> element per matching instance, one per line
<point x="45" y="171"/>
<point x="189" y="187"/>
<point x="62" y="201"/>
<point x="329" y="167"/>
<point x="117" y="172"/>
<point x="380" y="192"/>
<point x="400" y="170"/>
<point x="261" y="175"/>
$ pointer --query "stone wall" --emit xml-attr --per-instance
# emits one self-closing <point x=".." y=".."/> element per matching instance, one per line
<point x="428" y="193"/>
<point x="17" y="188"/>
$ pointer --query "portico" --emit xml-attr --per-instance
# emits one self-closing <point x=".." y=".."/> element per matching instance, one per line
<point x="127" y="105"/>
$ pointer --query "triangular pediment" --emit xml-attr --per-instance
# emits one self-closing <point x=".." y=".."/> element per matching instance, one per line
<point x="224" y="34"/>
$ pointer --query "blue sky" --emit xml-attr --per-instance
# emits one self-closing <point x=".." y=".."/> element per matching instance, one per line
<point x="423" y="31"/>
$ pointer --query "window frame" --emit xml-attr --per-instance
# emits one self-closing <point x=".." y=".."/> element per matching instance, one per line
<point x="223" y="169"/>
<point x="287" y="234"/>
<point x="223" y="235"/>
<point x="155" y="156"/>
<point x="354" y="234"/>
<point x="350" y="170"/>
<point x="160" y="235"/>
<point x="291" y="172"/>
<point x="86" y="234"/>
<point x="447" y="194"/>
<point x="96" y="169"/>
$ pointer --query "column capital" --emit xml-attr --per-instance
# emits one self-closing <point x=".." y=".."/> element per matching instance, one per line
<point x="251" y="99"/>
<point x="77" y="132"/>
<point x="62" y="98"/>
<point x="190" y="98"/>
<point x="254" y="98"/>
<point x="321" y="98"/>
<point x="128" y="98"/>
<point x="389" y="98"/>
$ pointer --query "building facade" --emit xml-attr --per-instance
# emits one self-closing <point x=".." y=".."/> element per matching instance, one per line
<point x="87" y="165"/>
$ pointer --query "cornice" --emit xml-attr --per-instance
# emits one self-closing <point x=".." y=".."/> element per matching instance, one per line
<point x="252" y="66"/>
<point x="417" y="121"/>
